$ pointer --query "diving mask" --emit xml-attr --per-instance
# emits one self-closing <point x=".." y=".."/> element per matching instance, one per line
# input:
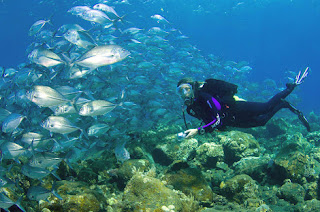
<point x="185" y="90"/>
<point x="186" y="93"/>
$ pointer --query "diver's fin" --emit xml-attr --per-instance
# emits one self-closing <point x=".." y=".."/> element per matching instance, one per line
<point x="301" y="117"/>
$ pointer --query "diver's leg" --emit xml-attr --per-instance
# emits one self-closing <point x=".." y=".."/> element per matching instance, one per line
<point x="276" y="99"/>
<point x="262" y="119"/>
<point x="254" y="114"/>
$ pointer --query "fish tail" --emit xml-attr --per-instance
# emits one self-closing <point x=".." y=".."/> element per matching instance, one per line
<point x="84" y="133"/>
<point x="68" y="163"/>
<point x="74" y="101"/>
<point x="68" y="60"/>
<point x="49" y="19"/>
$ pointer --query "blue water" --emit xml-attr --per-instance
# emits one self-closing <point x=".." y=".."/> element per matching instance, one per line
<point x="273" y="36"/>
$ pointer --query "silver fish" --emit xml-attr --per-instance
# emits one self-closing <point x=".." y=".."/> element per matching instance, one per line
<point x="96" y="108"/>
<point x="37" y="173"/>
<point x="97" y="16"/>
<point x="159" y="18"/>
<point x="121" y="153"/>
<point x="30" y="137"/>
<point x="98" y="129"/>
<point x="44" y="160"/>
<point x="66" y="108"/>
<point x="102" y="56"/>
<point x="4" y="114"/>
<point x="9" y="72"/>
<point x="58" y="124"/>
<point x="6" y="203"/>
<point x="106" y="8"/>
<point x="12" y="122"/>
<point x="68" y="91"/>
<point x="78" y="10"/>
<point x="37" y="26"/>
<point x="11" y="150"/>
<point x="76" y="72"/>
<point x="39" y="193"/>
<point x="79" y="38"/>
<point x="44" y="57"/>
<point x="45" y="96"/>
<point x="64" y="28"/>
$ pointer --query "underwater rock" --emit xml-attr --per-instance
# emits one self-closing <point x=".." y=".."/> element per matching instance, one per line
<point x="229" y="207"/>
<point x="237" y="145"/>
<point x="130" y="167"/>
<point x="255" y="204"/>
<point x="314" y="138"/>
<point x="255" y="167"/>
<point x="311" y="191"/>
<point x="295" y="141"/>
<point x="239" y="188"/>
<point x="291" y="192"/>
<point x="144" y="193"/>
<point x="276" y="127"/>
<point x="309" y="206"/>
<point x="295" y="166"/>
<point x="191" y="182"/>
<point x="87" y="175"/>
<point x="208" y="154"/>
<point x="177" y="165"/>
<point x="166" y="153"/>
<point x="76" y="196"/>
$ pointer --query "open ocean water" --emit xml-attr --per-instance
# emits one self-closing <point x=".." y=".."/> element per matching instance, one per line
<point x="259" y="45"/>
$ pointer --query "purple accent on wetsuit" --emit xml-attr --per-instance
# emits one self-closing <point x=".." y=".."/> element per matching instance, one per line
<point x="209" y="104"/>
<point x="207" y="125"/>
<point x="216" y="103"/>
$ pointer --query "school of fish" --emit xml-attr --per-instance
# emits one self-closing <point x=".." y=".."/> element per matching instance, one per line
<point x="82" y="90"/>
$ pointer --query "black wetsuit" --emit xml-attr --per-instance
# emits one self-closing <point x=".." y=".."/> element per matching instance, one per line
<point x="218" y="113"/>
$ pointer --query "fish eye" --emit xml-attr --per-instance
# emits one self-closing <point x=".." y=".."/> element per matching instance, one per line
<point x="51" y="125"/>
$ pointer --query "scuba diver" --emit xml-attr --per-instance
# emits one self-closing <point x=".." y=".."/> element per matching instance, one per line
<point x="214" y="103"/>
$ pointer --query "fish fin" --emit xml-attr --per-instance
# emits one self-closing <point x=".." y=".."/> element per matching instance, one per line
<point x="66" y="136"/>
<point x="69" y="164"/>
<point x="83" y="132"/>
<point x="89" y="94"/>
<point x="108" y="26"/>
<point x="18" y="204"/>
<point x="53" y="172"/>
<point x="54" y="192"/>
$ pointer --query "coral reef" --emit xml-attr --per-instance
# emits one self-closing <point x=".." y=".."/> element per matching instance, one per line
<point x="237" y="145"/>
<point x="191" y="182"/>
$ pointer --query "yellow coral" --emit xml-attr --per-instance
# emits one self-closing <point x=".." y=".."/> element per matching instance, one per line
<point x="222" y="185"/>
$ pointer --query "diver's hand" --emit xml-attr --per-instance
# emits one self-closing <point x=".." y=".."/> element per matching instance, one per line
<point x="191" y="132"/>
<point x="300" y="77"/>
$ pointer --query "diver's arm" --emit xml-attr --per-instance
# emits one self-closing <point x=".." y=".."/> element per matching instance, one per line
<point x="214" y="106"/>
<point x="210" y="126"/>
<point x="206" y="128"/>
